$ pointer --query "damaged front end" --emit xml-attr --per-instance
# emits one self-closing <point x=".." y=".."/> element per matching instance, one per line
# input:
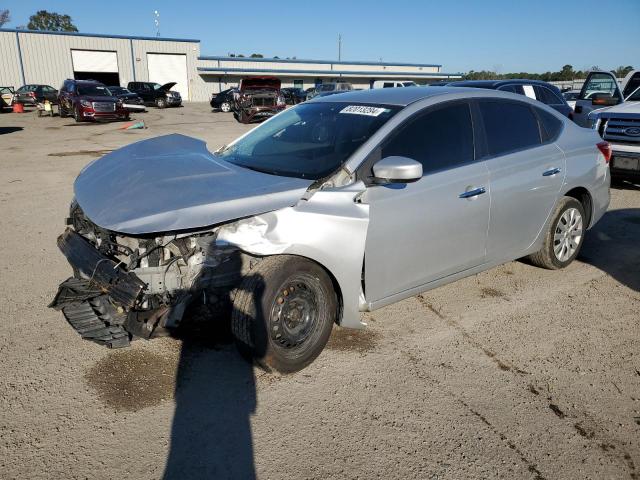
<point x="139" y="286"/>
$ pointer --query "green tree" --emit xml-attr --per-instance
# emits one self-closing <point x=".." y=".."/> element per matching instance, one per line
<point x="621" y="71"/>
<point x="4" y="17"/>
<point x="257" y="55"/>
<point x="51" y="21"/>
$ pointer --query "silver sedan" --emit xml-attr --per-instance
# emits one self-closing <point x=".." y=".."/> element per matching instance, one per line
<point x="340" y="205"/>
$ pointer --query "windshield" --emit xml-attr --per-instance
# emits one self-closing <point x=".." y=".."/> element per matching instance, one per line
<point x="309" y="140"/>
<point x="327" y="87"/>
<point x="410" y="84"/>
<point x="118" y="90"/>
<point x="93" y="90"/>
<point x="156" y="86"/>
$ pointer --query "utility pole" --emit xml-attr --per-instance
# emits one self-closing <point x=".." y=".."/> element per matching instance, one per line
<point x="156" y="20"/>
<point x="339" y="47"/>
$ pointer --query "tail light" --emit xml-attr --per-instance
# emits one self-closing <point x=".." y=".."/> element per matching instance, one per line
<point x="605" y="149"/>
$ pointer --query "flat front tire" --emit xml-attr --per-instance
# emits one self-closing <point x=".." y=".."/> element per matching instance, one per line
<point x="283" y="313"/>
<point x="564" y="237"/>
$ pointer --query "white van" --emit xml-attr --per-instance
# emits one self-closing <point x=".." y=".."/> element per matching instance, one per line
<point x="393" y="84"/>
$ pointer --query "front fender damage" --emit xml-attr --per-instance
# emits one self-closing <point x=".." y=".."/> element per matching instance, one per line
<point x="330" y="228"/>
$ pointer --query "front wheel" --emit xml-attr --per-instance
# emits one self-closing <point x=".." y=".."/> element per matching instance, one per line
<point x="225" y="107"/>
<point x="76" y="115"/>
<point x="161" y="102"/>
<point x="564" y="236"/>
<point x="283" y="313"/>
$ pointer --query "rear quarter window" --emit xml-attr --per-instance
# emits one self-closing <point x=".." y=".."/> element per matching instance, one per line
<point x="509" y="126"/>
<point x="550" y="125"/>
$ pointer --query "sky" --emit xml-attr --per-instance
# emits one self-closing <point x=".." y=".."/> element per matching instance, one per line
<point x="461" y="35"/>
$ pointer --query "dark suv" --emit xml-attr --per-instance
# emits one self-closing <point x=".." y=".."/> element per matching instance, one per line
<point x="537" y="89"/>
<point x="88" y="100"/>
<point x="155" y="94"/>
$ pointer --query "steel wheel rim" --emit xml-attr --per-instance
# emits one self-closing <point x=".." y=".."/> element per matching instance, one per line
<point x="295" y="313"/>
<point x="567" y="234"/>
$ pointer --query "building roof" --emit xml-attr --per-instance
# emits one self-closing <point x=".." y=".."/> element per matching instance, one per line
<point x="331" y="73"/>
<point x="99" y="35"/>
<point x="326" y="62"/>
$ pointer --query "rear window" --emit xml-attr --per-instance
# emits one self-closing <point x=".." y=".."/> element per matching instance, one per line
<point x="509" y="126"/>
<point x="550" y="125"/>
<point x="546" y="96"/>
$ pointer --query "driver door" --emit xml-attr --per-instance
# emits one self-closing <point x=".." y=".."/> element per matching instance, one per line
<point x="597" y="85"/>
<point x="423" y="231"/>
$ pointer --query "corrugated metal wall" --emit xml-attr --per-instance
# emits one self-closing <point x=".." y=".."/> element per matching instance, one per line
<point x="47" y="58"/>
<point x="10" y="67"/>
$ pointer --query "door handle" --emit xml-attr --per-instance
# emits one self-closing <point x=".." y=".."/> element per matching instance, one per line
<point x="473" y="193"/>
<point x="551" y="172"/>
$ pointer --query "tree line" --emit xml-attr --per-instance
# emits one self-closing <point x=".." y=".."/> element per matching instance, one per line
<point x="567" y="73"/>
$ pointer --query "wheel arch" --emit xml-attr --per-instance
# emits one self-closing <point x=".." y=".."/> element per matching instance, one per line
<point x="584" y="197"/>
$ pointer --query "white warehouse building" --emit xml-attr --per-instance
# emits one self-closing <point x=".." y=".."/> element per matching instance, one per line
<point x="37" y="57"/>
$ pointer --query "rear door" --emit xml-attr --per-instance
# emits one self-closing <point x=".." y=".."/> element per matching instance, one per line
<point x="526" y="173"/>
<point x="597" y="85"/>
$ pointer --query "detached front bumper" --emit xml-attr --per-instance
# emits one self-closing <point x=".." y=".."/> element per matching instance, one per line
<point x="100" y="301"/>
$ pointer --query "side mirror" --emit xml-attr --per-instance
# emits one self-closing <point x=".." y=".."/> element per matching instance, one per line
<point x="604" y="100"/>
<point x="397" y="170"/>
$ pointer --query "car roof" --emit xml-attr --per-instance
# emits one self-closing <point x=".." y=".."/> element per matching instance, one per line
<point x="497" y="83"/>
<point x="389" y="96"/>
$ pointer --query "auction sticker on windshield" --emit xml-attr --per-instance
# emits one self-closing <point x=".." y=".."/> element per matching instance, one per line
<point x="364" y="110"/>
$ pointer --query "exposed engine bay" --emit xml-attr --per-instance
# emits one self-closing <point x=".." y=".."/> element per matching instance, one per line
<point x="139" y="286"/>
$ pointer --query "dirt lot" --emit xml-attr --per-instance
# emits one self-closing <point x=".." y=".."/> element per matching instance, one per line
<point x="514" y="373"/>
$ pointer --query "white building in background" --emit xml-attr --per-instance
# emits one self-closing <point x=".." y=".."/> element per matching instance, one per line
<point x="49" y="58"/>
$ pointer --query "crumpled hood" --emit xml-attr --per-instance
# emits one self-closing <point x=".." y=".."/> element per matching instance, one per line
<point x="625" y="108"/>
<point x="168" y="86"/>
<point x="174" y="183"/>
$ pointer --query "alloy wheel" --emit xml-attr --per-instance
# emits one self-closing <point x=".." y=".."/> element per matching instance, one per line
<point x="568" y="234"/>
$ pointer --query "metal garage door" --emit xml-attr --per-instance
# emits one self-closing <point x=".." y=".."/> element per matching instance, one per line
<point x="165" y="68"/>
<point x="96" y="65"/>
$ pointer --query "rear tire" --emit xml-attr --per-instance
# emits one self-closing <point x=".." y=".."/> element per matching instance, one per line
<point x="564" y="237"/>
<point x="283" y="313"/>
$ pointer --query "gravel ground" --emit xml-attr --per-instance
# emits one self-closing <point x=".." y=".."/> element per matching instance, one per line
<point x="513" y="373"/>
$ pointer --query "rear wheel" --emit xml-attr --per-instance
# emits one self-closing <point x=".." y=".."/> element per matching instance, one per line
<point x="283" y="313"/>
<point x="564" y="237"/>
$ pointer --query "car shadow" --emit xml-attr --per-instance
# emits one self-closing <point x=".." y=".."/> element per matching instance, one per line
<point x="7" y="130"/>
<point x="613" y="246"/>
<point x="215" y="396"/>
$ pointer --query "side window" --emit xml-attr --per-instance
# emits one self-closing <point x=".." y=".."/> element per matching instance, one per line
<point x="632" y="85"/>
<point x="599" y="83"/>
<point x="550" y="125"/>
<point x="508" y="88"/>
<point x="439" y="139"/>
<point x="387" y="85"/>
<point x="509" y="126"/>
<point x="546" y="96"/>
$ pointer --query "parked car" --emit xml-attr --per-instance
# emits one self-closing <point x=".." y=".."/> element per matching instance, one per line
<point x="6" y="97"/>
<point x="88" y="100"/>
<point x="614" y="112"/>
<point x="132" y="101"/>
<point x="34" y="94"/>
<point x="155" y="94"/>
<point x="224" y="100"/>
<point x="330" y="87"/>
<point x="294" y="95"/>
<point x="536" y="89"/>
<point x="393" y="84"/>
<point x="340" y="205"/>
<point x="571" y="96"/>
<point x="258" y="99"/>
